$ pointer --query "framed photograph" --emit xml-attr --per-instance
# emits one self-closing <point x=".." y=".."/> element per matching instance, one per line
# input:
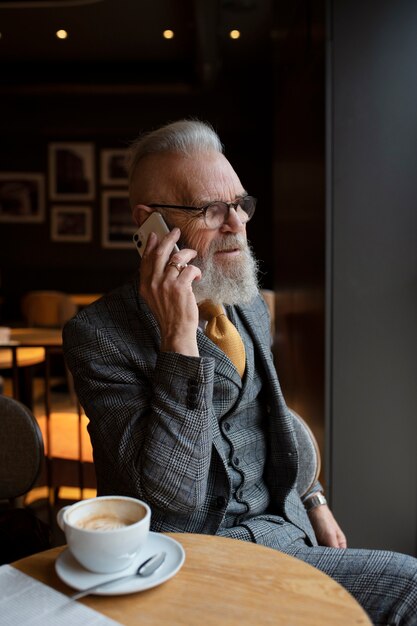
<point x="113" y="168"/>
<point x="71" y="223"/>
<point x="71" y="171"/>
<point x="117" y="223"/>
<point x="22" y="197"/>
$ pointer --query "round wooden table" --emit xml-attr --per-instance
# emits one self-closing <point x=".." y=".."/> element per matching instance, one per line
<point x="223" y="581"/>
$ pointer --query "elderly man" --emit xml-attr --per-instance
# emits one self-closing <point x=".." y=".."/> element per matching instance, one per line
<point x="201" y="433"/>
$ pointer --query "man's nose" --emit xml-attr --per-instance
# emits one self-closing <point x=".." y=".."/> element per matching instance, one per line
<point x="233" y="223"/>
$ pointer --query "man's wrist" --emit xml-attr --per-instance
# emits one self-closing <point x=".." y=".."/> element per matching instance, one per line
<point x="317" y="499"/>
<point x="181" y="346"/>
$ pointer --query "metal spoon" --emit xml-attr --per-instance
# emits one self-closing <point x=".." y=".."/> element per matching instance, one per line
<point x="146" y="568"/>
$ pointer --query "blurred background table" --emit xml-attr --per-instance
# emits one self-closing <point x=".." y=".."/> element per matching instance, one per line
<point x="223" y="581"/>
<point x="28" y="347"/>
<point x="37" y="336"/>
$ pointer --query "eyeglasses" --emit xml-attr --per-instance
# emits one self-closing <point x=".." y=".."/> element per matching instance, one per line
<point x="216" y="213"/>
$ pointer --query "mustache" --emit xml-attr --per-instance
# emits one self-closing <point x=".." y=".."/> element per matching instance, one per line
<point x="230" y="242"/>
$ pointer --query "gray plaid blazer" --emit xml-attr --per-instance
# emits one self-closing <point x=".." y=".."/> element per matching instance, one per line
<point x="152" y="425"/>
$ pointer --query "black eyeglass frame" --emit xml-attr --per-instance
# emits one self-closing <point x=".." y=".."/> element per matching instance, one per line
<point x="235" y="204"/>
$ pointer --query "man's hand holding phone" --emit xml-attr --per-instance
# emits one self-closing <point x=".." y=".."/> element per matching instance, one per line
<point x="154" y="224"/>
<point x="166" y="284"/>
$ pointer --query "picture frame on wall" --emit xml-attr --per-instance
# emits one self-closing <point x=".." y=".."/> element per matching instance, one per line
<point x="22" y="197"/>
<point x="71" y="171"/>
<point x="71" y="223"/>
<point x="117" y="224"/>
<point x="112" y="167"/>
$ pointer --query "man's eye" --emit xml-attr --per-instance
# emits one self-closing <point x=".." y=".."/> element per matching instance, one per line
<point x="216" y="208"/>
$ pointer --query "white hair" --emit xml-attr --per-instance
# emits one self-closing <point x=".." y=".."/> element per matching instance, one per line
<point x="184" y="137"/>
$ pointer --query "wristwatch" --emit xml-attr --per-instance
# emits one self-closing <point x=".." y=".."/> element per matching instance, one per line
<point x="314" y="501"/>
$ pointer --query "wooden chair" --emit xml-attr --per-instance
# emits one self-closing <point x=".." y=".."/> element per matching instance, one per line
<point x="49" y="309"/>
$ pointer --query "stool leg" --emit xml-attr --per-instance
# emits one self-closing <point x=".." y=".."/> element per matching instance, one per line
<point x="26" y="386"/>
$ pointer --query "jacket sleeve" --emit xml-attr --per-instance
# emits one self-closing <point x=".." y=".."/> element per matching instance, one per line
<point x="150" y="417"/>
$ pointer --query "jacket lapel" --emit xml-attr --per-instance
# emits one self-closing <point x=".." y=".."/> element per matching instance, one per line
<point x="255" y="318"/>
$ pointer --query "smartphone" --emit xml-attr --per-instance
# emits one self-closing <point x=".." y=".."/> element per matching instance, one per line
<point x="154" y="224"/>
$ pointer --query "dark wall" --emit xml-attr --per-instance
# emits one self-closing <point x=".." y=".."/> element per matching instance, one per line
<point x="37" y="113"/>
<point x="372" y="269"/>
<point x="299" y="216"/>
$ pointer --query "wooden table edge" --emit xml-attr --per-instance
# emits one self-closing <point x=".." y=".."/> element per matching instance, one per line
<point x="213" y="585"/>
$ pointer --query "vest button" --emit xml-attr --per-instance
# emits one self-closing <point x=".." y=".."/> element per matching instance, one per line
<point x="236" y="460"/>
<point x="227" y="426"/>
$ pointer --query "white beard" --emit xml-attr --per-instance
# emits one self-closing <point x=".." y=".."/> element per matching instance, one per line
<point x="233" y="282"/>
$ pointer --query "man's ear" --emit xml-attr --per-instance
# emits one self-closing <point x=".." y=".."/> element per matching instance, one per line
<point x="140" y="213"/>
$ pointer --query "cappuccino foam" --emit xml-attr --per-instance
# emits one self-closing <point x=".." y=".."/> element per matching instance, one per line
<point x="103" y="522"/>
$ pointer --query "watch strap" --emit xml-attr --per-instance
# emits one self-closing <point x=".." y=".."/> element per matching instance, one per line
<point x="316" y="500"/>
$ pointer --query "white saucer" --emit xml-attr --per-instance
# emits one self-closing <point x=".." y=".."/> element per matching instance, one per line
<point x="74" y="574"/>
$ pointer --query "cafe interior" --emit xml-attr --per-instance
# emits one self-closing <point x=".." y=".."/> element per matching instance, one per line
<point x="314" y="101"/>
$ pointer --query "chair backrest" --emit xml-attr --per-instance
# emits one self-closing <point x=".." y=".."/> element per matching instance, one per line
<point x="47" y="308"/>
<point x="21" y="449"/>
<point x="309" y="455"/>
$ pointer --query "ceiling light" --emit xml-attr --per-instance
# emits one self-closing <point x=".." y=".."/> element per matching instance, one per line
<point x="168" y="34"/>
<point x="61" y="34"/>
<point x="234" y="34"/>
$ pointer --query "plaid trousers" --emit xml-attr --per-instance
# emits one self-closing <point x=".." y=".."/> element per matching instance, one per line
<point x="384" y="583"/>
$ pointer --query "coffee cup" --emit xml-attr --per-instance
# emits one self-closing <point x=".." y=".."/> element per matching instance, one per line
<point x="105" y="534"/>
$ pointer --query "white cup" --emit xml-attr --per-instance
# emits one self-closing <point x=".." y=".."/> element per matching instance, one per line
<point x="105" y="534"/>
